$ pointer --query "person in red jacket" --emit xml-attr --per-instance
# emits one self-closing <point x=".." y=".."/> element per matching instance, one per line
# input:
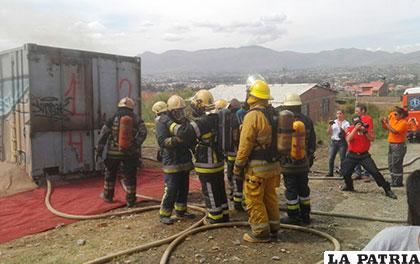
<point x="358" y="139"/>
<point x="361" y="110"/>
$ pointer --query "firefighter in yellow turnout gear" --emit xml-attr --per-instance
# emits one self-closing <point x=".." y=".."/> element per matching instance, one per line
<point x="262" y="176"/>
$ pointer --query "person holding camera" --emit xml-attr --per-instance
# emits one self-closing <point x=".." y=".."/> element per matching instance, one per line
<point x="397" y="126"/>
<point x="337" y="129"/>
<point x="361" y="110"/>
<point x="412" y="129"/>
<point x="358" y="139"/>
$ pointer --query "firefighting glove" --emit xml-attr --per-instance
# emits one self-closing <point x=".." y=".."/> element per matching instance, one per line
<point x="238" y="172"/>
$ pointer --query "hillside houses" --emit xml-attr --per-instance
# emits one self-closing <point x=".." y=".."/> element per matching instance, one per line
<point x="374" y="88"/>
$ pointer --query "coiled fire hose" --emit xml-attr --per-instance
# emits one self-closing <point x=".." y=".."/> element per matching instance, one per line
<point x="166" y="255"/>
<point x="178" y="238"/>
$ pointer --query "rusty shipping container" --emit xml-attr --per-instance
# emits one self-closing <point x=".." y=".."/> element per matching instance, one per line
<point x="53" y="102"/>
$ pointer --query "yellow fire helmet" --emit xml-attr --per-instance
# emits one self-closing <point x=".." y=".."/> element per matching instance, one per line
<point x="176" y="102"/>
<point x="292" y="99"/>
<point x="159" y="107"/>
<point x="203" y="99"/>
<point x="220" y="104"/>
<point x="258" y="87"/>
<point x="126" y="102"/>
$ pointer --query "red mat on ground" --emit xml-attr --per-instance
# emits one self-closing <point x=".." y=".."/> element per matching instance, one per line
<point x="25" y="213"/>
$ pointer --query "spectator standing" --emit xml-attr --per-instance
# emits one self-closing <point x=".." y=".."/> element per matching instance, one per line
<point x="336" y="130"/>
<point x="397" y="126"/>
<point x="358" y="139"/>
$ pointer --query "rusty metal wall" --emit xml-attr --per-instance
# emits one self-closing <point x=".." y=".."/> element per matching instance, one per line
<point x="54" y="111"/>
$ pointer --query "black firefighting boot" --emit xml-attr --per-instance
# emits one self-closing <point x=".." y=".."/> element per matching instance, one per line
<point x="347" y="188"/>
<point x="225" y="217"/>
<point x="290" y="220"/>
<point x="274" y="236"/>
<point x="305" y="209"/>
<point x="131" y="200"/>
<point x="167" y="220"/>
<point x="238" y="207"/>
<point x="107" y="195"/>
<point x="210" y="221"/>
<point x="185" y="215"/>
<point x="293" y="215"/>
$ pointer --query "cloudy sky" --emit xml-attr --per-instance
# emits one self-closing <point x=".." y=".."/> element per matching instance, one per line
<point x="131" y="27"/>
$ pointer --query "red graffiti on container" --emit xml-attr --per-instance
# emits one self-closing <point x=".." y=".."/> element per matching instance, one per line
<point x="71" y="91"/>
<point x="77" y="145"/>
<point x="129" y="85"/>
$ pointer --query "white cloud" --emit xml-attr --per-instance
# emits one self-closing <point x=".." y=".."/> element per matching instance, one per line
<point x="131" y="26"/>
<point x="260" y="31"/>
<point x="146" y="24"/>
<point x="180" y="28"/>
<point x="93" y="27"/>
<point x="172" y="37"/>
<point x="375" y="49"/>
<point x="408" y="48"/>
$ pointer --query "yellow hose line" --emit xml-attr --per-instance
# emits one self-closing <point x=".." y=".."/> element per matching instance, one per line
<point x="177" y="238"/>
<point x="147" y="246"/>
<point x="367" y="218"/>
<point x="166" y="255"/>
<point x="358" y="217"/>
<point x="85" y="217"/>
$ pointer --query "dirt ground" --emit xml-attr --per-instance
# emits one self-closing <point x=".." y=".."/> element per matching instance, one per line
<point x="105" y="236"/>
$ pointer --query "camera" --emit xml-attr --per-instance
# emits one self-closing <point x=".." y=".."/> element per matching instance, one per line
<point x="364" y="128"/>
<point x="358" y="120"/>
<point x="331" y="122"/>
<point x="364" y="125"/>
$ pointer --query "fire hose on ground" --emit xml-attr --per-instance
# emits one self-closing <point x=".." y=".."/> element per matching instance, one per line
<point x="137" y="210"/>
<point x="180" y="236"/>
<point x="195" y="228"/>
<point x="171" y="247"/>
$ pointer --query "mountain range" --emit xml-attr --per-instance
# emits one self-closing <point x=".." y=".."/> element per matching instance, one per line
<point x="260" y="59"/>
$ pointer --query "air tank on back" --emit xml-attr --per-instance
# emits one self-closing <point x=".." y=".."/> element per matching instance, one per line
<point x="285" y="129"/>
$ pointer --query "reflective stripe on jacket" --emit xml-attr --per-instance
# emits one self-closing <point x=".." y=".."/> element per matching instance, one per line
<point x="208" y="158"/>
<point x="176" y="155"/>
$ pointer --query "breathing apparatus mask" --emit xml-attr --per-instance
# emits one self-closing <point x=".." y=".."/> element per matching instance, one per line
<point x="249" y="82"/>
<point x="178" y="115"/>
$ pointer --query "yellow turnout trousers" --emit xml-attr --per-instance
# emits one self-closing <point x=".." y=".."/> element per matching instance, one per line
<point x="261" y="204"/>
